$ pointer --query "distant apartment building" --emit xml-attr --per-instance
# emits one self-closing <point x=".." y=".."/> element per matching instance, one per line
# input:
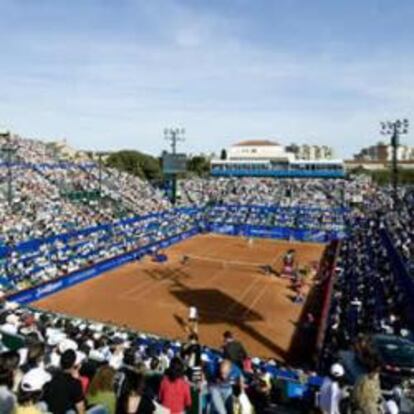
<point x="382" y="152"/>
<point x="311" y="152"/>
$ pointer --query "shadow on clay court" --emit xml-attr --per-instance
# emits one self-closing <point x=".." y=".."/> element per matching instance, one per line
<point x="214" y="306"/>
<point x="208" y="301"/>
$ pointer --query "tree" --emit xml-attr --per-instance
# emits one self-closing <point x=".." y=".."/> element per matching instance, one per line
<point x="198" y="165"/>
<point x="136" y="163"/>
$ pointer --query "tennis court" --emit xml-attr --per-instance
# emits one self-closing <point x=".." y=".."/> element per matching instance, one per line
<point x="223" y="278"/>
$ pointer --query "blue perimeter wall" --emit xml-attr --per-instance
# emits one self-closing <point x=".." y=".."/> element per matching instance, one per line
<point x="48" y="288"/>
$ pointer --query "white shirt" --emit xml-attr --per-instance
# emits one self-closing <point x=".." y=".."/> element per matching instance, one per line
<point x="330" y="397"/>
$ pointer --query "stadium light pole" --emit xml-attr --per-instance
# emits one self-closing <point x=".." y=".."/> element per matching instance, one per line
<point x="100" y="154"/>
<point x="9" y="150"/>
<point x="174" y="135"/>
<point x="395" y="129"/>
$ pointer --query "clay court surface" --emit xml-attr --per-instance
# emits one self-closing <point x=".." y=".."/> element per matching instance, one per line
<point x="222" y="279"/>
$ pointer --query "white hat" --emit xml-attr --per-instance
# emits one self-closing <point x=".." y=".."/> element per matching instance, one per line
<point x="337" y="370"/>
<point x="66" y="344"/>
<point x="12" y="319"/>
<point x="255" y="361"/>
<point x="8" y="328"/>
<point x="34" y="380"/>
<point x="97" y="355"/>
<point x="11" y="305"/>
<point x="55" y="338"/>
<point x="405" y="333"/>
<point x="97" y="327"/>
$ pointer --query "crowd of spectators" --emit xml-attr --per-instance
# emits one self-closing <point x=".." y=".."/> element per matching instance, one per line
<point x="50" y="196"/>
<point x="46" y="234"/>
<point x="52" y="363"/>
<point x="400" y="224"/>
<point x="368" y="302"/>
<point x="318" y="193"/>
<point x="284" y="217"/>
<point x="367" y="298"/>
<point x="31" y="263"/>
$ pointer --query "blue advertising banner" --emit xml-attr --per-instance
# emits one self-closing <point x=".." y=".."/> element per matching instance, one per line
<point x="34" y="244"/>
<point x="48" y="288"/>
<point x="306" y="235"/>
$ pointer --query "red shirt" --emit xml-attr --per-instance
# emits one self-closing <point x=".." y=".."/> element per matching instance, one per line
<point x="175" y="395"/>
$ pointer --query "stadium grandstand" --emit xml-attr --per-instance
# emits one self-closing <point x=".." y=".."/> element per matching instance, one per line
<point x="296" y="279"/>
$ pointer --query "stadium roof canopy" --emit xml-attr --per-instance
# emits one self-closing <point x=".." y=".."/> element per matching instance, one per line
<point x="256" y="143"/>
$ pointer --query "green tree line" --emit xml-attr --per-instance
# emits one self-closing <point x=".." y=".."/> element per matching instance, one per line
<point x="149" y="167"/>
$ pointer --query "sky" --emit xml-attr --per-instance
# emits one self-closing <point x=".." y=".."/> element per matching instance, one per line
<point x="112" y="74"/>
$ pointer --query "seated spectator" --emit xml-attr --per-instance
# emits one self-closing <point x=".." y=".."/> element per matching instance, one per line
<point x="30" y="392"/>
<point x="7" y="397"/>
<point x="133" y="399"/>
<point x="101" y="389"/>
<point x="175" y="391"/>
<point x="64" y="392"/>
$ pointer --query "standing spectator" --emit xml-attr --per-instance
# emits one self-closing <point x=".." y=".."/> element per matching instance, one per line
<point x="366" y="396"/>
<point x="191" y="354"/>
<point x="175" y="390"/>
<point x="233" y="350"/>
<point x="132" y="399"/>
<point x="65" y="392"/>
<point x="221" y="390"/>
<point x="101" y="390"/>
<point x="331" y="394"/>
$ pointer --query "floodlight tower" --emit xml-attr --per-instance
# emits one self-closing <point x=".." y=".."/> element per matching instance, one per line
<point x="9" y="150"/>
<point x="174" y="135"/>
<point x="395" y="129"/>
<point x="100" y="155"/>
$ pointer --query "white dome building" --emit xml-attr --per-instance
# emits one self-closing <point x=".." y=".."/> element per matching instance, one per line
<point x="256" y="150"/>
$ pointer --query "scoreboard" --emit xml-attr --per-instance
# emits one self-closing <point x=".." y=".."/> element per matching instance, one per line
<point x="174" y="163"/>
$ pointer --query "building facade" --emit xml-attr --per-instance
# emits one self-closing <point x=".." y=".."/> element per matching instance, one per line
<point x="311" y="152"/>
<point x="264" y="158"/>
<point x="382" y="152"/>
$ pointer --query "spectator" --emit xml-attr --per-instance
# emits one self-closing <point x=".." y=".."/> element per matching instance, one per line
<point x="331" y="394"/>
<point x="7" y="397"/>
<point x="133" y="399"/>
<point x="64" y="392"/>
<point x="233" y="350"/>
<point x="366" y="395"/>
<point x="8" y="365"/>
<point x="191" y="354"/>
<point x="101" y="389"/>
<point x="30" y="392"/>
<point x="221" y="390"/>
<point x="175" y="392"/>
